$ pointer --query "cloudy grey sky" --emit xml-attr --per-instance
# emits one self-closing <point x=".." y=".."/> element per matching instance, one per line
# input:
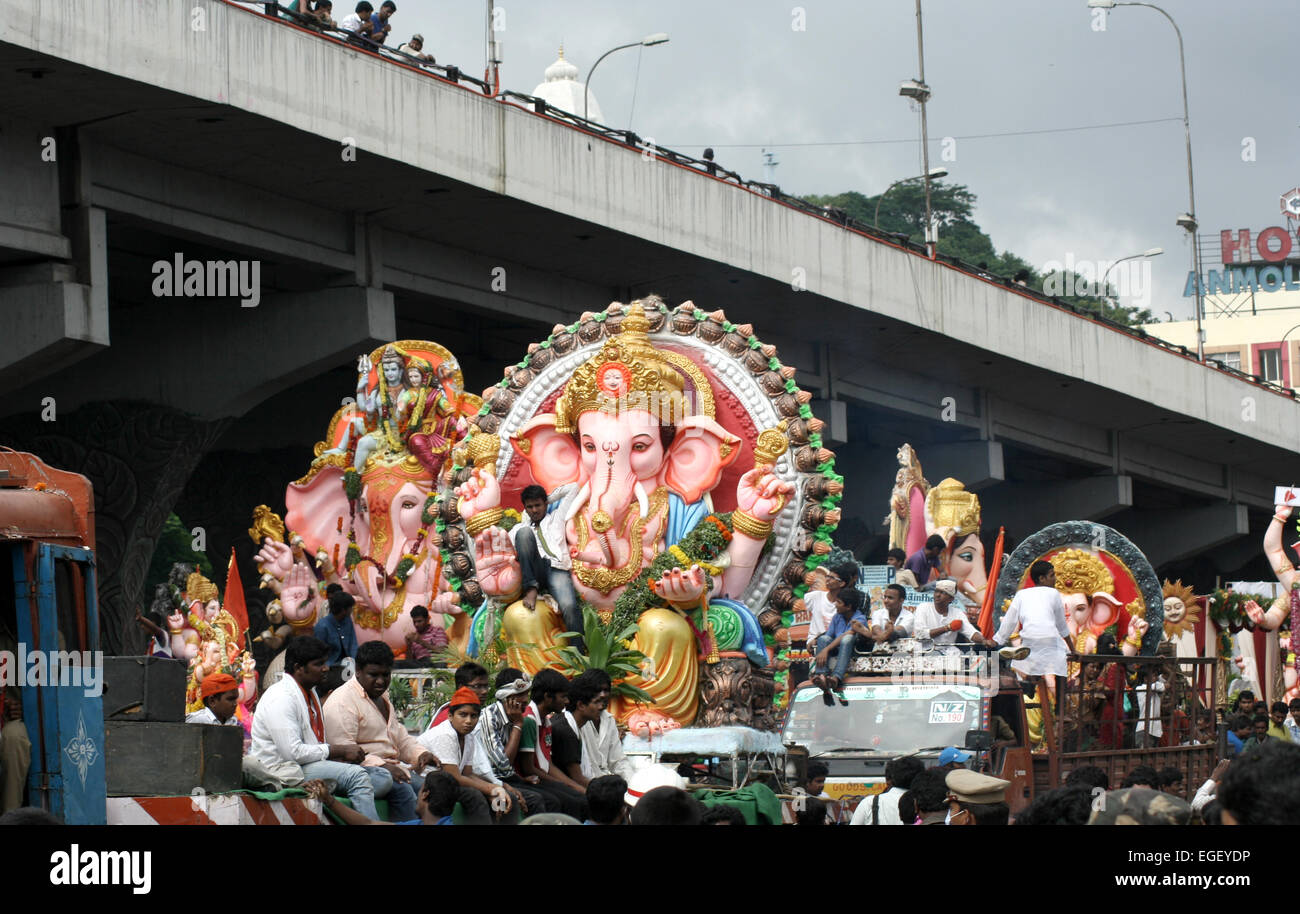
<point x="738" y="76"/>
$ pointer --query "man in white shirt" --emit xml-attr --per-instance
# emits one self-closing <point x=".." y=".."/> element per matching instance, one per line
<point x="1039" y="612"/>
<point x="544" y="561"/>
<point x="455" y="743"/>
<point x="358" y="22"/>
<point x="821" y="603"/>
<point x="289" y="730"/>
<point x="220" y="694"/>
<point x="1147" y="694"/>
<point x="882" y="808"/>
<point x="944" y="620"/>
<point x="892" y="621"/>
<point x="602" y="748"/>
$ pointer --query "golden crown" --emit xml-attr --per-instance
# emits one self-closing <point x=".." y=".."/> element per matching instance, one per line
<point x="953" y="507"/>
<point x="629" y="372"/>
<point x="197" y="587"/>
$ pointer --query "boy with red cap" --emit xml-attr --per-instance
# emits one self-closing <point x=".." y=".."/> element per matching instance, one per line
<point x="220" y="694"/>
<point x="455" y="744"/>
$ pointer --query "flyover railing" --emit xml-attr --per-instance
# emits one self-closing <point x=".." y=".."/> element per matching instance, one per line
<point x="707" y="166"/>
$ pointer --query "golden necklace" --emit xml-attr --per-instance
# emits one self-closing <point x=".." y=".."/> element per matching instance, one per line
<point x="598" y="577"/>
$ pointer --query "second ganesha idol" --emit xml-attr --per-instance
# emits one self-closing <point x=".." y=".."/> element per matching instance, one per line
<point x="681" y="462"/>
<point x="362" y="515"/>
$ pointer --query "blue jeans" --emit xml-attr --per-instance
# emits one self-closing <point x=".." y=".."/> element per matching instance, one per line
<point x="840" y="656"/>
<point x="352" y="781"/>
<point x="401" y="796"/>
<point x="560" y="586"/>
<point x="535" y="571"/>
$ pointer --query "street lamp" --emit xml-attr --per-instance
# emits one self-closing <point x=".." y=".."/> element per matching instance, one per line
<point x="1185" y="220"/>
<point x="1153" y="252"/>
<point x="918" y="91"/>
<point x="934" y="174"/>
<point x="648" y="41"/>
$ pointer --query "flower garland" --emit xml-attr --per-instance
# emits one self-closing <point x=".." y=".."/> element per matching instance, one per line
<point x="702" y="546"/>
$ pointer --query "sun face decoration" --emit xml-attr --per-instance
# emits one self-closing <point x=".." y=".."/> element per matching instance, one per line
<point x="1180" y="609"/>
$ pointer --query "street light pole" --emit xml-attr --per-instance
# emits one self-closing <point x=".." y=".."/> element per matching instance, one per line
<point x="649" y="41"/>
<point x="1153" y="252"/>
<point x="1189" y="221"/>
<point x="935" y="173"/>
<point x="925" y="139"/>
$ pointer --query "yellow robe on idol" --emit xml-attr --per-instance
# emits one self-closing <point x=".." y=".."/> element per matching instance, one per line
<point x="673" y="681"/>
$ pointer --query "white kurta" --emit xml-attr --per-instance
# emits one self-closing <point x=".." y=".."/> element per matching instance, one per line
<point x="1040" y="614"/>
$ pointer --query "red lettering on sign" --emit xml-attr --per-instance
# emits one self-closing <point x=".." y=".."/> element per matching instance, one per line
<point x="1265" y="248"/>
<point x="1231" y="248"/>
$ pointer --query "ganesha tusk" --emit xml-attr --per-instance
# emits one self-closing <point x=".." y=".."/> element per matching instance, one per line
<point x="578" y="502"/>
<point x="642" y="500"/>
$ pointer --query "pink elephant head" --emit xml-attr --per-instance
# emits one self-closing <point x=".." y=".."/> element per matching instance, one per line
<point x="387" y="524"/>
<point x="621" y="457"/>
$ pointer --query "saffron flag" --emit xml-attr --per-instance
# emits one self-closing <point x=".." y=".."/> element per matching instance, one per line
<point x="990" y="588"/>
<point x="234" y="600"/>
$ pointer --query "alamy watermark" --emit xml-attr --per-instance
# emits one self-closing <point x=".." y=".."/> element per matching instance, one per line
<point x="1094" y="279"/>
<point x="76" y="669"/>
<point x="181" y="278"/>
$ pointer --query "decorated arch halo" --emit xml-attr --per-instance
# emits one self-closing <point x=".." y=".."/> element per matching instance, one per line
<point x="752" y="392"/>
<point x="1114" y="551"/>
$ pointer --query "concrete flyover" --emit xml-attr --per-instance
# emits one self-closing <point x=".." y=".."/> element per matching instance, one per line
<point x="380" y="201"/>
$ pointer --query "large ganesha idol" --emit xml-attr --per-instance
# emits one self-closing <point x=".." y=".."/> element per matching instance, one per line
<point x="664" y="438"/>
<point x="362" y="517"/>
<point x="1105" y="582"/>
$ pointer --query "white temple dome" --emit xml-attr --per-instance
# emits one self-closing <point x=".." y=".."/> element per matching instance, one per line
<point x="562" y="90"/>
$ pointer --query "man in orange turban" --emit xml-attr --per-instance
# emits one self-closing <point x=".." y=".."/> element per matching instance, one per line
<point x="220" y="694"/>
<point x="455" y="744"/>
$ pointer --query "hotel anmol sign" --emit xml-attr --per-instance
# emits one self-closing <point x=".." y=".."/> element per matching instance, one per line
<point x="1267" y="260"/>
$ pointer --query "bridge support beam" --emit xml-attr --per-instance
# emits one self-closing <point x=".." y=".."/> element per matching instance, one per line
<point x="51" y="323"/>
<point x="222" y="359"/>
<point x="1169" y="536"/>
<point x="977" y="464"/>
<point x="1024" y="508"/>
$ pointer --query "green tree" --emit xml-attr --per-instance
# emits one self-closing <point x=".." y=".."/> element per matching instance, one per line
<point x="902" y="211"/>
<point x="175" y="544"/>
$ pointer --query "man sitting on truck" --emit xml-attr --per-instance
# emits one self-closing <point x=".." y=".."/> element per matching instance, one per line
<point x="892" y="621"/>
<point x="289" y="730"/>
<point x="849" y="622"/>
<point x="944" y="620"/>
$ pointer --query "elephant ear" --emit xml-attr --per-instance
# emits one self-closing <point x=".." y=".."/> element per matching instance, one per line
<point x="553" y="458"/>
<point x="697" y="457"/>
<point x="314" y="509"/>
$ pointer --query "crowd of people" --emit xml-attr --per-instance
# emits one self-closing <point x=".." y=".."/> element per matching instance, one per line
<point x="542" y="748"/>
<point x="366" y="25"/>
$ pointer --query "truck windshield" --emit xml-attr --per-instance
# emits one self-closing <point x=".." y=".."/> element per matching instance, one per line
<point x="887" y="718"/>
